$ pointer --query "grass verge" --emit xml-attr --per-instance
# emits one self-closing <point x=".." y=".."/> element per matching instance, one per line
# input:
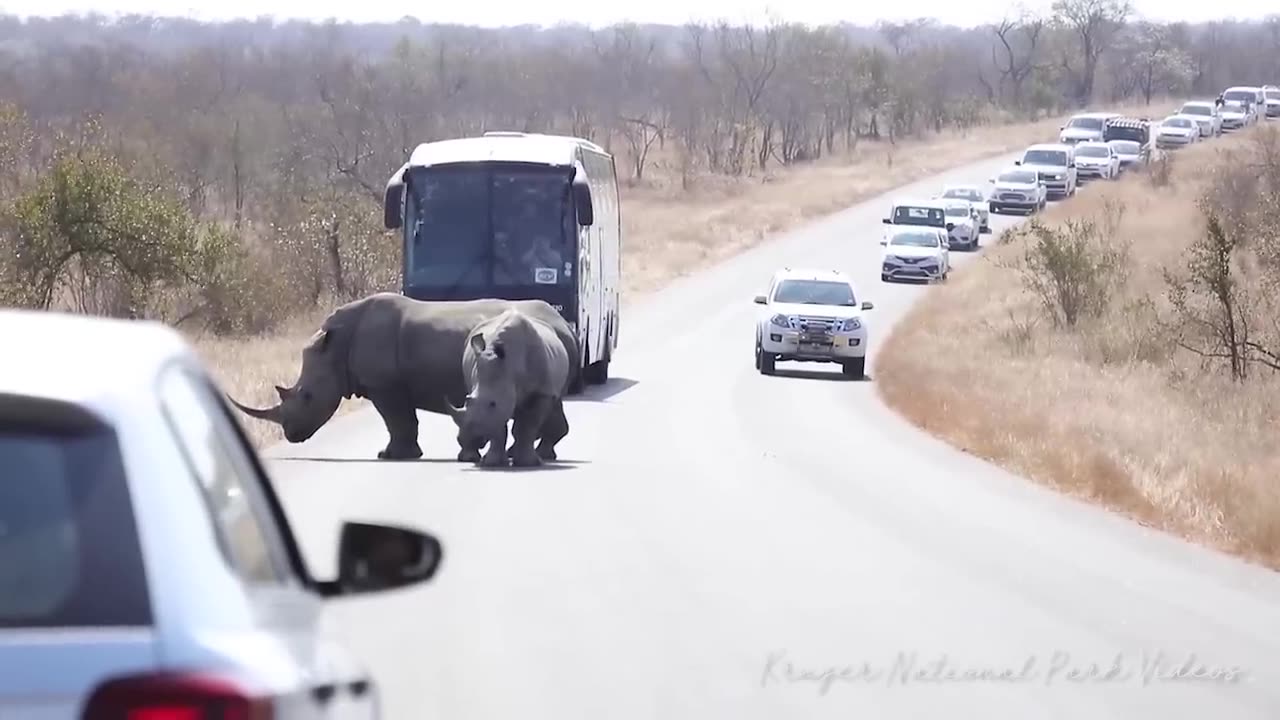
<point x="1114" y="409"/>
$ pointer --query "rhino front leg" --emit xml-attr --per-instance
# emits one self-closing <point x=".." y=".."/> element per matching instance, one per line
<point x="496" y="455"/>
<point x="554" y="428"/>
<point x="401" y="420"/>
<point x="470" y="447"/>
<point x="525" y="428"/>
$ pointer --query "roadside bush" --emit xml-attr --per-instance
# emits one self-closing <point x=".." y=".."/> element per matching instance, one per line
<point x="1160" y="170"/>
<point x="1073" y="269"/>
<point x="91" y="237"/>
<point x="1225" y="300"/>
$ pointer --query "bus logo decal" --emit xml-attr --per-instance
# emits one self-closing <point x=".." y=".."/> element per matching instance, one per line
<point x="545" y="276"/>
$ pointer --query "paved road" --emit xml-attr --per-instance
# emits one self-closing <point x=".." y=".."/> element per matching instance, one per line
<point x="711" y="525"/>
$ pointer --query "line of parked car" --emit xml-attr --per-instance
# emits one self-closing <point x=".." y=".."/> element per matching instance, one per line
<point x="1091" y="146"/>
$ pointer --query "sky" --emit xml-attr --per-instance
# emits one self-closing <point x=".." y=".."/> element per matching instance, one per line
<point x="604" y="12"/>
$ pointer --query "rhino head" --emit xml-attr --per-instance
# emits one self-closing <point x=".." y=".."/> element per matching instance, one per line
<point x="313" y="399"/>
<point x="492" y="401"/>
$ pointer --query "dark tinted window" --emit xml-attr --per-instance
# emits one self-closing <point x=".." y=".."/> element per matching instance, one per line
<point x="912" y="215"/>
<point x="1045" y="157"/>
<point x="449" y="241"/>
<point x="69" y="551"/>
<point x="1196" y="110"/>
<point x="814" y="292"/>
<point x="531" y="223"/>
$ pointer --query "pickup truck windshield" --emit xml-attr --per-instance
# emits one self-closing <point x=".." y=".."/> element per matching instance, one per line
<point x="1054" y="158"/>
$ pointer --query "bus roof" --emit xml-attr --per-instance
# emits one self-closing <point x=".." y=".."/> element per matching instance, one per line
<point x="556" y="150"/>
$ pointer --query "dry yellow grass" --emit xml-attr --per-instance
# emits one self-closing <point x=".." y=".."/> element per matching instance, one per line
<point x="1111" y="412"/>
<point x="669" y="231"/>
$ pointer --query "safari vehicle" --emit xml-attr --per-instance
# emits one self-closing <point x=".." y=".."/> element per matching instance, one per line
<point x="1129" y="128"/>
<point x="811" y="315"/>
<point x="515" y="216"/>
<point x="147" y="567"/>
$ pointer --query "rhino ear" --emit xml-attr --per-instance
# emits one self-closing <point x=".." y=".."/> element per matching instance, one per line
<point x="498" y="350"/>
<point x="477" y="342"/>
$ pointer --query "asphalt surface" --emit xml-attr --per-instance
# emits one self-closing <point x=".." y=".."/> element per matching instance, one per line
<point x="710" y="525"/>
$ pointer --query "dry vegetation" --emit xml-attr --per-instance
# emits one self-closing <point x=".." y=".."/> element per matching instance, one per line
<point x="1159" y="395"/>
<point x="226" y="178"/>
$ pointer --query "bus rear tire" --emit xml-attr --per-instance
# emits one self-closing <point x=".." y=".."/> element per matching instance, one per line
<point x="598" y="372"/>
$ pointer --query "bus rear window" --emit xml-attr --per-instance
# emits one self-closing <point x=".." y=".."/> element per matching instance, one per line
<point x="69" y="552"/>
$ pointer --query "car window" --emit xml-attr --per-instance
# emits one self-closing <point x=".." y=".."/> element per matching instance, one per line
<point x="814" y="292"/>
<point x="914" y="215"/>
<point x="69" y="549"/>
<point x="244" y="527"/>
<point x="1021" y="178"/>
<point x="1094" y="151"/>
<point x="915" y="240"/>
<point x="1045" y="157"/>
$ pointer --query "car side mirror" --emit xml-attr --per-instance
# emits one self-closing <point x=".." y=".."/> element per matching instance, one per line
<point x="760" y="300"/>
<point x="868" y="305"/>
<point x="1017" y="162"/>
<point x="375" y="558"/>
<point x="887" y="221"/>
<point x="884" y="242"/>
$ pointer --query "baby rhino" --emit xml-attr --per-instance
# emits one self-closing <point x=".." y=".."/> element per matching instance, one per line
<point x="516" y="369"/>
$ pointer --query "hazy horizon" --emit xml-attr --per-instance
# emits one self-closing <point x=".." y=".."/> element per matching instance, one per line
<point x="667" y="12"/>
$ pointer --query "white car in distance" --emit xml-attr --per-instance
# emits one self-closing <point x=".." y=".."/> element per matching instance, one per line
<point x="918" y="253"/>
<point x="1177" y="131"/>
<point x="1206" y="116"/>
<point x="1234" y="115"/>
<point x="159" y="577"/>
<point x="812" y="315"/>
<point x="976" y="197"/>
<point x="1019" y="190"/>
<point x="964" y="224"/>
<point x="1097" y="160"/>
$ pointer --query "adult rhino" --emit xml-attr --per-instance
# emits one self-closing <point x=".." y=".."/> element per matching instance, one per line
<point x="403" y="355"/>
<point x="517" y="370"/>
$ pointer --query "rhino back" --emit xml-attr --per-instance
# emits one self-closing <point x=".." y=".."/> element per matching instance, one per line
<point x="541" y="310"/>
<point x="416" y="346"/>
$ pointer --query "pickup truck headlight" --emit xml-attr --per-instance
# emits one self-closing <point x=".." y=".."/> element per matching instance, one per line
<point x="851" y="324"/>
<point x="780" y="320"/>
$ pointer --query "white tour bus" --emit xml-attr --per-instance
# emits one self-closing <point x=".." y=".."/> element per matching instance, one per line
<point x="515" y="216"/>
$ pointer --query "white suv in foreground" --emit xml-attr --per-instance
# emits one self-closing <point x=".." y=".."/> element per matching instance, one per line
<point x="812" y="316"/>
<point x="147" y="567"/>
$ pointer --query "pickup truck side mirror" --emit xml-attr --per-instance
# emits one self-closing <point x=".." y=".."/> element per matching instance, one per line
<point x="1017" y="162"/>
<point x="375" y="558"/>
<point x="760" y="300"/>
<point x="884" y="242"/>
<point x="868" y="305"/>
<point x="887" y="221"/>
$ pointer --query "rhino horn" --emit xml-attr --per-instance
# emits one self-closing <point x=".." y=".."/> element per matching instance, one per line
<point x="271" y="414"/>
<point x="455" y="412"/>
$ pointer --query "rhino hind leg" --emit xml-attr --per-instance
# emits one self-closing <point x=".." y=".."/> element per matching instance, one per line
<point x="402" y="426"/>
<point x="554" y="429"/>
